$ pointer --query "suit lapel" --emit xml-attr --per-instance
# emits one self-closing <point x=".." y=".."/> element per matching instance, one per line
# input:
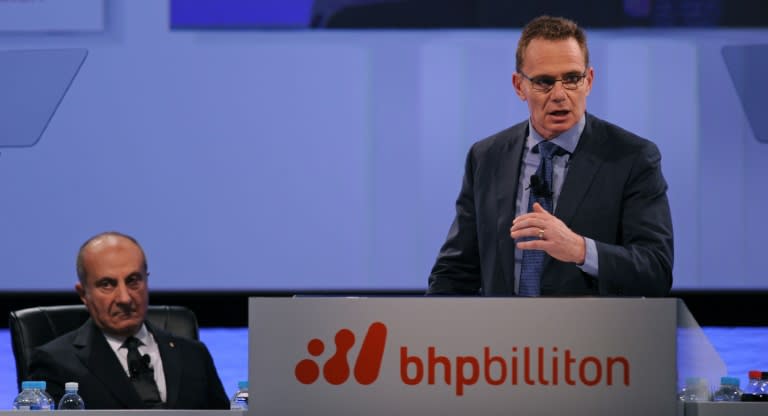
<point x="169" y="353"/>
<point x="583" y="166"/>
<point x="506" y="181"/>
<point x="96" y="354"/>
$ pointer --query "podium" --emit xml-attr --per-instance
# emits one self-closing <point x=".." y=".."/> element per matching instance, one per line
<point x="478" y="356"/>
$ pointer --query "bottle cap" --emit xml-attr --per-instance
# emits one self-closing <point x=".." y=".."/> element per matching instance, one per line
<point x="71" y="385"/>
<point x="729" y="381"/>
<point x="27" y="385"/>
<point x="754" y="374"/>
<point x="35" y="384"/>
<point x="242" y="384"/>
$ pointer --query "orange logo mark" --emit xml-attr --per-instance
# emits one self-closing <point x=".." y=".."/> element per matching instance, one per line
<point x="336" y="370"/>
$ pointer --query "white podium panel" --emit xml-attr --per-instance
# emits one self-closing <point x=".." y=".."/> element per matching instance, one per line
<point x="459" y="356"/>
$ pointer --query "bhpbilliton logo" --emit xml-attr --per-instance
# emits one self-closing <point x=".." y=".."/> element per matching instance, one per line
<point x="484" y="368"/>
<point x="336" y="370"/>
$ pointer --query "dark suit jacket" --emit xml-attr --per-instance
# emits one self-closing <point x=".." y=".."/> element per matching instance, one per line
<point x="84" y="355"/>
<point x="614" y="193"/>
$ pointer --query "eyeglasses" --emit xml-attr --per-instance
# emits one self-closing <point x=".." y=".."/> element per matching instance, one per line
<point x="545" y="83"/>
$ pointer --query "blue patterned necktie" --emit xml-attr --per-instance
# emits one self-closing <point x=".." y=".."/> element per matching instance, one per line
<point x="533" y="260"/>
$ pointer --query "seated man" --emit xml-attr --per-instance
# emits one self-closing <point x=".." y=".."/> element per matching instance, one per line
<point x="120" y="360"/>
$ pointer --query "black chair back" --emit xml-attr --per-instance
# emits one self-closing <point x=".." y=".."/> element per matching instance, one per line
<point x="33" y="327"/>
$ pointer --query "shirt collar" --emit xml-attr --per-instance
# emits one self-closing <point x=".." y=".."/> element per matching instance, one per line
<point x="568" y="139"/>
<point x="142" y="335"/>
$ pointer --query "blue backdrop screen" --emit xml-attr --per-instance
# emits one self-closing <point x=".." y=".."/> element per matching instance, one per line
<point x="298" y="160"/>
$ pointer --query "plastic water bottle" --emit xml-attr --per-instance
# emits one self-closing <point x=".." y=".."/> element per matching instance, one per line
<point x="728" y="391"/>
<point x="754" y="391"/>
<point x="762" y="388"/>
<point x="28" y="399"/>
<point x="51" y="403"/>
<point x="46" y="402"/>
<point x="240" y="399"/>
<point x="696" y="390"/>
<point x="753" y="383"/>
<point x="71" y="400"/>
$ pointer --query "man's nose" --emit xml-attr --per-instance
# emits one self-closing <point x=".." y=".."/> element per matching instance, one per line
<point x="558" y="91"/>
<point x="122" y="294"/>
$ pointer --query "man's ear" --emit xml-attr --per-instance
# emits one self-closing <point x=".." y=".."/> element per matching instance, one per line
<point x="590" y="78"/>
<point x="517" y="83"/>
<point x="80" y="291"/>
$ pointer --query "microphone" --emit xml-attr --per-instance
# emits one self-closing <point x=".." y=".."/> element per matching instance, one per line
<point x="134" y="368"/>
<point x="538" y="187"/>
<point x="139" y="366"/>
<point x="145" y="367"/>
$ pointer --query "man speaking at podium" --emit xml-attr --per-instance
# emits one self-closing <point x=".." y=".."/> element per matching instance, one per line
<point x="564" y="203"/>
<point x="118" y="358"/>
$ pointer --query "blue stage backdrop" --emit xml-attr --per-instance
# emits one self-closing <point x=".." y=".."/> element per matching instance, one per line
<point x="300" y="160"/>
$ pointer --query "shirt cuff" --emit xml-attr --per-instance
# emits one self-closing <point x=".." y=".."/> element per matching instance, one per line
<point x="590" y="258"/>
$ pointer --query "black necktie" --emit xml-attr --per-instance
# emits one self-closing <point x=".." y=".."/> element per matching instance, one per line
<point x="142" y="376"/>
